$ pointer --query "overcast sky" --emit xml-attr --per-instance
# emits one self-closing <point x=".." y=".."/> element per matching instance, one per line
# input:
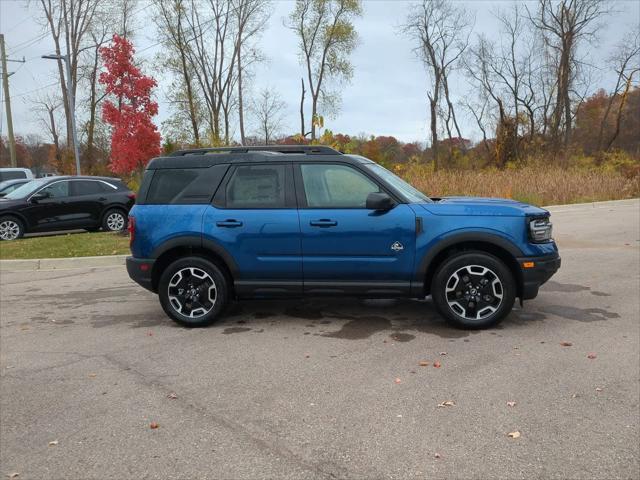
<point x="387" y="95"/>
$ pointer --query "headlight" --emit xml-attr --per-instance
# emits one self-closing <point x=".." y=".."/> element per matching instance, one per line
<point x="540" y="230"/>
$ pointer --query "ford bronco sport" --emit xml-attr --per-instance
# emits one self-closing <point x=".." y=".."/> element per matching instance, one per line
<point x="212" y="225"/>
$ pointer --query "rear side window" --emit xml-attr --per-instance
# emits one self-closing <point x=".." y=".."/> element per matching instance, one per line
<point x="87" y="187"/>
<point x="181" y="186"/>
<point x="257" y="186"/>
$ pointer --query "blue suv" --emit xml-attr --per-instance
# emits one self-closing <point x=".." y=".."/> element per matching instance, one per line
<point x="212" y="225"/>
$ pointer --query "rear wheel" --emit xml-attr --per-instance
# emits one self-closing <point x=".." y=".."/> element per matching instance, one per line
<point x="114" y="221"/>
<point x="10" y="228"/>
<point x="193" y="291"/>
<point x="473" y="290"/>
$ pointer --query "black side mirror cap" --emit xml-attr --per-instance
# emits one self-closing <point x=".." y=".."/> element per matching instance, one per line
<point x="379" y="201"/>
<point x="36" y="197"/>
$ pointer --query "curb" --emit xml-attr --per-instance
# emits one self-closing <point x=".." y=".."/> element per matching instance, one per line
<point x="61" y="263"/>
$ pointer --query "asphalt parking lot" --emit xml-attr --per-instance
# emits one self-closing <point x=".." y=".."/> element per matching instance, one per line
<point x="328" y="388"/>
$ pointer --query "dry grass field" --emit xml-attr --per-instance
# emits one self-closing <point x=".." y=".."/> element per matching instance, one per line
<point x="540" y="186"/>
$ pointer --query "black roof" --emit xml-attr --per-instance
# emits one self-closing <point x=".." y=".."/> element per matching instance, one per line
<point x="207" y="157"/>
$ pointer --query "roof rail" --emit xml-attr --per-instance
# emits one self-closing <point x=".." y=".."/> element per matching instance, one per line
<point x="304" y="149"/>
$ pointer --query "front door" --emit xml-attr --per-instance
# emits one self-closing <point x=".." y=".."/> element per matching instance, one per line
<point x="52" y="212"/>
<point x="346" y="247"/>
<point x="255" y="220"/>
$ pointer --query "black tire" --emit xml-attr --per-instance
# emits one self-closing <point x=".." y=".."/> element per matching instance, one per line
<point x="174" y="289"/>
<point x="474" y="299"/>
<point x="114" y="220"/>
<point x="11" y="228"/>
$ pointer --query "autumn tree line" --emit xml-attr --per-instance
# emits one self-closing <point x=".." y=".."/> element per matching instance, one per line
<point x="528" y="88"/>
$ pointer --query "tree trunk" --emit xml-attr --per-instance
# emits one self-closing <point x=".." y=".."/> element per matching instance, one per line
<point x="433" y="104"/>
<point x="240" y="105"/>
<point x="623" y="101"/>
<point x="302" y="109"/>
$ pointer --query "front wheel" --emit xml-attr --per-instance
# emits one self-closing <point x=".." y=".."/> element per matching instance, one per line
<point x="473" y="290"/>
<point x="193" y="291"/>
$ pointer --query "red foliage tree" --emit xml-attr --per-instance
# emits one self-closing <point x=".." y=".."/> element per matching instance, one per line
<point x="134" y="139"/>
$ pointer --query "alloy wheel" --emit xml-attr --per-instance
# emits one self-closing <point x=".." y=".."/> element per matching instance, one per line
<point x="115" y="221"/>
<point x="192" y="292"/>
<point x="474" y="292"/>
<point x="9" y="230"/>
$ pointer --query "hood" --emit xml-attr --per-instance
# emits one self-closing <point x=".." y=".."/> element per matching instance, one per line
<point x="480" y="206"/>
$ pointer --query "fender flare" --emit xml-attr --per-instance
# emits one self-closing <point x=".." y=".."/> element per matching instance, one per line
<point x="196" y="241"/>
<point x="19" y="216"/>
<point x="464" y="237"/>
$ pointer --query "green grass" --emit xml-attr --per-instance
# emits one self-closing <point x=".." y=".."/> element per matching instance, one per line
<point x="62" y="246"/>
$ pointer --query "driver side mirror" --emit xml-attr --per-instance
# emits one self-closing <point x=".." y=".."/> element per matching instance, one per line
<point x="379" y="201"/>
<point x="40" y="196"/>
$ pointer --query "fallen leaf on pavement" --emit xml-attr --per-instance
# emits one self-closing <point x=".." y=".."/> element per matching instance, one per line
<point x="153" y="425"/>
<point x="172" y="395"/>
<point x="511" y="404"/>
<point x="591" y="356"/>
<point x="515" y="434"/>
<point x="575" y="395"/>
<point x="53" y="443"/>
<point x="150" y="334"/>
<point x="423" y="363"/>
<point x="397" y="380"/>
<point x="448" y="403"/>
<point x="92" y="375"/>
<point x="399" y="416"/>
<point x="13" y="475"/>
<point x="307" y="356"/>
<point x="598" y="389"/>
<point x="566" y="344"/>
<point x="436" y="364"/>
<point x="443" y="353"/>
<point x="437" y="455"/>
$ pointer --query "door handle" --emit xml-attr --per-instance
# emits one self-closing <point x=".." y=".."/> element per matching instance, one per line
<point x="323" y="223"/>
<point x="102" y="199"/>
<point x="229" y="223"/>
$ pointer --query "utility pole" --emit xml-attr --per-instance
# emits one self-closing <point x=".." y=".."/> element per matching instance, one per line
<point x="72" y="106"/>
<point x="7" y="102"/>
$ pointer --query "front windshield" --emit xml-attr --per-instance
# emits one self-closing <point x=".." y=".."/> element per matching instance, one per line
<point x="412" y="194"/>
<point x="25" y="190"/>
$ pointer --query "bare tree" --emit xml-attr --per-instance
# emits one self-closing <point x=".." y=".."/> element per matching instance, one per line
<point x="46" y="107"/>
<point x="564" y="25"/>
<point x="440" y="30"/>
<point x="626" y="64"/>
<point x="171" y="20"/>
<point x="268" y="109"/>
<point x="327" y="37"/>
<point x="251" y="19"/>
<point x="69" y="22"/>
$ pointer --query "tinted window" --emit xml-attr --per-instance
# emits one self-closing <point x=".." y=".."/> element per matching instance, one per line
<point x="11" y="188"/>
<point x="181" y="186"/>
<point x="336" y="186"/>
<point x="257" y="186"/>
<point x="57" y="190"/>
<point x="87" y="187"/>
<point x="12" y="175"/>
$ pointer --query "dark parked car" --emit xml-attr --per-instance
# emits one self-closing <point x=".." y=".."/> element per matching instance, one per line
<point x="64" y="203"/>
<point x="9" y="186"/>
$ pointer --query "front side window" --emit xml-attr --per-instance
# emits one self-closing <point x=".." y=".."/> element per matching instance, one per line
<point x="257" y="186"/>
<point x="336" y="186"/>
<point x="57" y="190"/>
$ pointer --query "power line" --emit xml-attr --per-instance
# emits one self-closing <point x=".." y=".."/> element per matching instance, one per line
<point x="22" y="94"/>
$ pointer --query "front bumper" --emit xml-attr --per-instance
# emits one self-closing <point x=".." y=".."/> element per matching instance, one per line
<point x="140" y="270"/>
<point x="534" y="276"/>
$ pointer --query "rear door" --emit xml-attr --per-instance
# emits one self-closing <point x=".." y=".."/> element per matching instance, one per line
<point x="347" y="248"/>
<point x="86" y="201"/>
<point x="255" y="219"/>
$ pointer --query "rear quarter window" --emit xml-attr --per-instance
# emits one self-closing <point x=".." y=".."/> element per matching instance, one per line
<point x="180" y="186"/>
